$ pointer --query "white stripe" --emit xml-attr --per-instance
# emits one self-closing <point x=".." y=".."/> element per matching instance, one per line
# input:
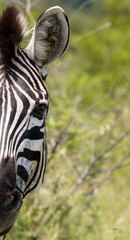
<point x="19" y="107"/>
<point x="20" y="183"/>
<point x="34" y="122"/>
<point x="28" y="165"/>
<point x="24" y="79"/>
<point x="21" y="90"/>
<point x="2" y="123"/>
<point x="34" y="145"/>
<point x="9" y="108"/>
<point x="29" y="75"/>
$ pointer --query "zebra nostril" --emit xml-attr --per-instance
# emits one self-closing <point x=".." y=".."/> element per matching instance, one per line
<point x="16" y="203"/>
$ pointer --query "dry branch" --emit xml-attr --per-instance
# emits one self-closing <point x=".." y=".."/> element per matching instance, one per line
<point x="98" y="29"/>
<point x="81" y="7"/>
<point x="95" y="159"/>
<point x="94" y="190"/>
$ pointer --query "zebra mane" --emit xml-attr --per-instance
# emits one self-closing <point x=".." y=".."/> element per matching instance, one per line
<point x="12" y="31"/>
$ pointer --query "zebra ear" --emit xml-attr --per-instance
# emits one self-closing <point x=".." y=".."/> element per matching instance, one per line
<point x="50" y="37"/>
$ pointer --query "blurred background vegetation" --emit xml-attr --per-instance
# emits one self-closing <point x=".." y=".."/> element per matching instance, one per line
<point x="86" y="191"/>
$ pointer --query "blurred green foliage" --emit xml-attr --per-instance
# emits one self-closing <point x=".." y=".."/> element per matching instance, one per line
<point x="89" y="111"/>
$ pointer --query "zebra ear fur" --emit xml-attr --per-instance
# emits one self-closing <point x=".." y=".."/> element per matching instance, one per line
<point x="50" y="37"/>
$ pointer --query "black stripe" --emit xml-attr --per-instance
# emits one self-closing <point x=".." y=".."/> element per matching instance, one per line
<point x="30" y="155"/>
<point x="44" y="163"/>
<point x="29" y="184"/>
<point x="21" y="171"/>
<point x="24" y="57"/>
<point x="34" y="134"/>
<point x="24" y="74"/>
<point x="12" y="113"/>
<point x="23" y="113"/>
<point x="21" y="82"/>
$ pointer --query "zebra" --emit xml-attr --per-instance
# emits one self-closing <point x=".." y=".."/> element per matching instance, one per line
<point x="24" y="103"/>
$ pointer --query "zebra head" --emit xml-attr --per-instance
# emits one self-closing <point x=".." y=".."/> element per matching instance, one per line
<point x="24" y="104"/>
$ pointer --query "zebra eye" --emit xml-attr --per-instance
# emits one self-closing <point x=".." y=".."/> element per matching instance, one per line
<point x="39" y="110"/>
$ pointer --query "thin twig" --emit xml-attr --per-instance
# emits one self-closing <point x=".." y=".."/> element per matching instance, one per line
<point x="28" y="10"/>
<point x="69" y="162"/>
<point x="93" y="191"/>
<point x="98" y="29"/>
<point x="118" y="166"/>
<point x="98" y="157"/>
<point x="81" y="6"/>
<point x="28" y="6"/>
<point x="105" y="178"/>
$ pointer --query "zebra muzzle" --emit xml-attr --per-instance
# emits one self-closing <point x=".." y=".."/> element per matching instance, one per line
<point x="10" y="197"/>
<point x="9" y="210"/>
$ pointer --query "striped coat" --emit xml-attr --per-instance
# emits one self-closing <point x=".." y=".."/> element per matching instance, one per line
<point x="24" y="104"/>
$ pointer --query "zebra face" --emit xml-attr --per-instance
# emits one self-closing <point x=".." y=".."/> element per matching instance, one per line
<point x="23" y="155"/>
<point x="24" y="104"/>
